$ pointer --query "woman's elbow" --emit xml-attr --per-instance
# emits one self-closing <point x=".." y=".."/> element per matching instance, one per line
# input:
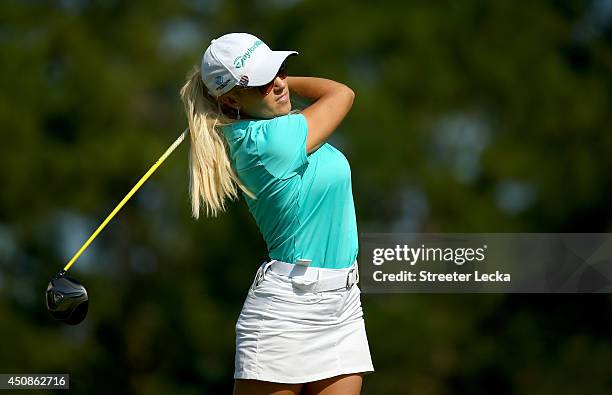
<point x="350" y="95"/>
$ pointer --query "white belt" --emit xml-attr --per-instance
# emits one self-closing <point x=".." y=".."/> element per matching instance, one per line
<point x="311" y="278"/>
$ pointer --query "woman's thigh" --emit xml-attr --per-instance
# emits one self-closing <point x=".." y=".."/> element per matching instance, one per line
<point x="257" y="387"/>
<point x="346" y="384"/>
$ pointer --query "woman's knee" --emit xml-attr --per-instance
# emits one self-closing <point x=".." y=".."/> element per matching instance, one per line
<point x="346" y="384"/>
<point x="258" y="387"/>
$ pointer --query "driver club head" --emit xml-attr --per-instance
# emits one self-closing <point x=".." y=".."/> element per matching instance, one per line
<point x="67" y="300"/>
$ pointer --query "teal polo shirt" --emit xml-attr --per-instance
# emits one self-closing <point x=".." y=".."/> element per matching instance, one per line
<point x="304" y="207"/>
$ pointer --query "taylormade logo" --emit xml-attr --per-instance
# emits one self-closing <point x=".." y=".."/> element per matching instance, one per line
<point x="241" y="60"/>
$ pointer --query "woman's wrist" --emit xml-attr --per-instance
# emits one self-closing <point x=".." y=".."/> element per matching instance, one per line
<point x="312" y="88"/>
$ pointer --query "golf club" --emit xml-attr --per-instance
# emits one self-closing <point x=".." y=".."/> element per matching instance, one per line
<point x="66" y="298"/>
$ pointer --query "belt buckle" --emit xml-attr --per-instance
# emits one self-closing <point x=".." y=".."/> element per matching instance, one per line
<point x="261" y="272"/>
<point x="349" y="284"/>
<point x="258" y="277"/>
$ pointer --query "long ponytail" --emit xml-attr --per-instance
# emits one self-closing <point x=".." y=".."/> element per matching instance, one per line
<point x="211" y="177"/>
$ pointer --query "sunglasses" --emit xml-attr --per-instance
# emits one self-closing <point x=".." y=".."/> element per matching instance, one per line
<point x="265" y="90"/>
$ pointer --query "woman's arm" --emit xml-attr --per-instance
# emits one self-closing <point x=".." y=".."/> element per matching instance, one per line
<point x="331" y="102"/>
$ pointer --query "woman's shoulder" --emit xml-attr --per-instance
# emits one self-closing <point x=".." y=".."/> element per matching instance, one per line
<point x="258" y="127"/>
<point x="281" y="120"/>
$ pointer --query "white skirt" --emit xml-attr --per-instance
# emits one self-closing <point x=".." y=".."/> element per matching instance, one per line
<point x="286" y="335"/>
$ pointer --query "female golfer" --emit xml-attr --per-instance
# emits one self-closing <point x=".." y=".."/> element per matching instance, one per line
<point x="301" y="328"/>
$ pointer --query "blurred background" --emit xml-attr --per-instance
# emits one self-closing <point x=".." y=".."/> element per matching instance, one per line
<point x="470" y="116"/>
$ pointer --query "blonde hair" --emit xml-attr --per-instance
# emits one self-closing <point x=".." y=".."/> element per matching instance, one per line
<point x="211" y="176"/>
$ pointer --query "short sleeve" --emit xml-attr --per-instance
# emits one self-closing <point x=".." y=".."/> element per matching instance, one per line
<point x="281" y="144"/>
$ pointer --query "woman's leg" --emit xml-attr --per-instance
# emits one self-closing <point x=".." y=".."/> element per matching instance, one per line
<point x="258" y="387"/>
<point x="346" y="384"/>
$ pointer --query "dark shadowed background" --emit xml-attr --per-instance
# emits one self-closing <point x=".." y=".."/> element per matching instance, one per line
<point x="470" y="116"/>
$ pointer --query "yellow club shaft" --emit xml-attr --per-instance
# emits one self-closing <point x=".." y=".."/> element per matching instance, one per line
<point x="127" y="197"/>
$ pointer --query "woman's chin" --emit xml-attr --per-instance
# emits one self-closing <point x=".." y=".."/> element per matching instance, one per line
<point x="285" y="108"/>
